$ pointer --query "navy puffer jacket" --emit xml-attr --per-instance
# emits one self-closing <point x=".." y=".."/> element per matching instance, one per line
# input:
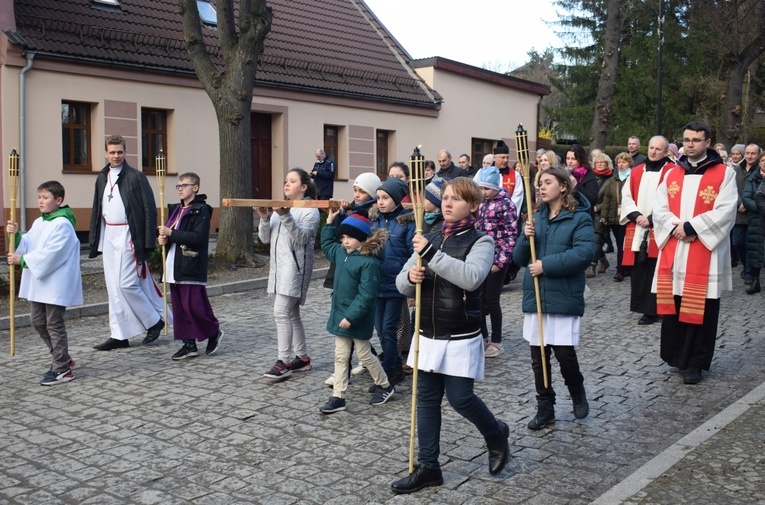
<point x="400" y="227"/>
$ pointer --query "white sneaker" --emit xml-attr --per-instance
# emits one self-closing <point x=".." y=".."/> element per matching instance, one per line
<point x="330" y="380"/>
<point x="493" y="350"/>
<point x="359" y="370"/>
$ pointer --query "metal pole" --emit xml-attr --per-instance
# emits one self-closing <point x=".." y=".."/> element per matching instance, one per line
<point x="660" y="69"/>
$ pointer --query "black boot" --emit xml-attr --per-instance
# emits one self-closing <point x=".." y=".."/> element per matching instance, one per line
<point x="579" y="397"/>
<point x="755" y="287"/>
<point x="499" y="450"/>
<point x="420" y="478"/>
<point x="545" y="414"/>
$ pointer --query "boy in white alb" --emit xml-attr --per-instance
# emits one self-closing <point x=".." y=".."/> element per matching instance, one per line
<point x="50" y="257"/>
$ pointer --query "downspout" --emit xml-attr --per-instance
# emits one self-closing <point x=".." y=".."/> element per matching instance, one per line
<point x="22" y="140"/>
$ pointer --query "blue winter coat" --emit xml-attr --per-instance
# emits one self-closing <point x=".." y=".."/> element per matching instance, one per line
<point x="566" y="246"/>
<point x="400" y="227"/>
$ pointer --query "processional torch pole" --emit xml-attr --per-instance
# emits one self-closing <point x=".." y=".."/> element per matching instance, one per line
<point x="522" y="148"/>
<point x="417" y="195"/>
<point x="13" y="182"/>
<point x="161" y="171"/>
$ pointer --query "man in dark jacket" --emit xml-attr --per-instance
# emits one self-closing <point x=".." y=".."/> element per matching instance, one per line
<point x="633" y="148"/>
<point x="738" y="235"/>
<point x="323" y="174"/>
<point x="464" y="162"/>
<point x="448" y="170"/>
<point x="123" y="226"/>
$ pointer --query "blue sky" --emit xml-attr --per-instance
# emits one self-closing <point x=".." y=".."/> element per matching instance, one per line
<point x="493" y="34"/>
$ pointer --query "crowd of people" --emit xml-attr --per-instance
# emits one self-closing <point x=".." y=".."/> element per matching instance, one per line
<point x="672" y="221"/>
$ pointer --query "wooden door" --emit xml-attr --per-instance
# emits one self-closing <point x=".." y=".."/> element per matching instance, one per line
<point x="260" y="144"/>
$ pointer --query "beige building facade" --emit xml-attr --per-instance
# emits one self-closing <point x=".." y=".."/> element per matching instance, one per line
<point x="472" y="109"/>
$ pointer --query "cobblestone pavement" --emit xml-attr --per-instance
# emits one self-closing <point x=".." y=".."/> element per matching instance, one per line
<point x="138" y="428"/>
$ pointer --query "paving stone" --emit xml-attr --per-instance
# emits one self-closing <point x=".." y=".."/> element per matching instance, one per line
<point x="140" y="428"/>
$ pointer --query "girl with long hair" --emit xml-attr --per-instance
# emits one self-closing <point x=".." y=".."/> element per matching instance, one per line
<point x="565" y="244"/>
<point x="292" y="234"/>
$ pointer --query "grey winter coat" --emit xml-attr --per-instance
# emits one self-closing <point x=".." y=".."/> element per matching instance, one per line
<point x="292" y="238"/>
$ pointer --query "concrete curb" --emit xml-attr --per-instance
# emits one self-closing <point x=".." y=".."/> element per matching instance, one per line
<point x="97" y="309"/>
<point x="673" y="454"/>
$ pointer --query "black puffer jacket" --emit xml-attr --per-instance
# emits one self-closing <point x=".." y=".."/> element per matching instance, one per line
<point x="191" y="238"/>
<point x="447" y="308"/>
<point x="755" y="231"/>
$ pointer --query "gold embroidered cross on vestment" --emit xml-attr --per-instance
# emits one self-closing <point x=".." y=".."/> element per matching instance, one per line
<point x="673" y="189"/>
<point x="708" y="195"/>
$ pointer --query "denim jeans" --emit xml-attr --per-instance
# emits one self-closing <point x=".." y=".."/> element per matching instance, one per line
<point x="386" y="320"/>
<point x="459" y="392"/>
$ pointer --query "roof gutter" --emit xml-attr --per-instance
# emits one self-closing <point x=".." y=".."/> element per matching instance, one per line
<point x="435" y="104"/>
<point x="22" y="140"/>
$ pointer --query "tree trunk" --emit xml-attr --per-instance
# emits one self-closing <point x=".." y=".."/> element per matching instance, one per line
<point x="235" y="238"/>
<point x="732" y="121"/>
<point x="230" y="90"/>
<point x="604" y="100"/>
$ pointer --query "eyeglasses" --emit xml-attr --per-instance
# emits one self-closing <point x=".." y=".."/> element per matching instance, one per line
<point x="693" y="141"/>
<point x="183" y="186"/>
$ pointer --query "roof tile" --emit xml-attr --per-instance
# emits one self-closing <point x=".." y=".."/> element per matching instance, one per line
<point x="333" y="46"/>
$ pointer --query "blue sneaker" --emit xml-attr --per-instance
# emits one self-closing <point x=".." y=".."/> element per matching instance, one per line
<point x="334" y="404"/>
<point x="52" y="378"/>
<point x="382" y="395"/>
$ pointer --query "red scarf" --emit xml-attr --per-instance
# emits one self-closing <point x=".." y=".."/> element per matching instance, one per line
<point x="628" y="256"/>
<point x="452" y="228"/>
<point x="697" y="269"/>
<point x="606" y="172"/>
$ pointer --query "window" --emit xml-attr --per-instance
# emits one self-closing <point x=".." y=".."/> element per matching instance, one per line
<point x="480" y="147"/>
<point x="207" y="12"/>
<point x="153" y="138"/>
<point x="331" y="135"/>
<point x="108" y="2"/>
<point x="381" y="155"/>
<point x="75" y="133"/>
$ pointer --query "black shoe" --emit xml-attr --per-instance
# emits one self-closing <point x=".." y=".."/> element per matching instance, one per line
<point x="394" y="377"/>
<point x="154" y="331"/>
<point x="112" y="343"/>
<point x="213" y="343"/>
<point x="186" y="352"/>
<point x="755" y="287"/>
<point x="499" y="450"/>
<point x="545" y="415"/>
<point x="579" y="398"/>
<point x="748" y="280"/>
<point x="334" y="404"/>
<point x="646" y="319"/>
<point x="420" y="478"/>
<point x="692" y="375"/>
<point x="382" y="395"/>
<point x="397" y="376"/>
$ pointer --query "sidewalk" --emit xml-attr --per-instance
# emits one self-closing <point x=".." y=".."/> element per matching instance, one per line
<point x="135" y="427"/>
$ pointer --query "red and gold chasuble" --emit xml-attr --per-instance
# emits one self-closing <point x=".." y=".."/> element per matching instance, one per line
<point x="697" y="268"/>
<point x="508" y="181"/>
<point x="628" y="255"/>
